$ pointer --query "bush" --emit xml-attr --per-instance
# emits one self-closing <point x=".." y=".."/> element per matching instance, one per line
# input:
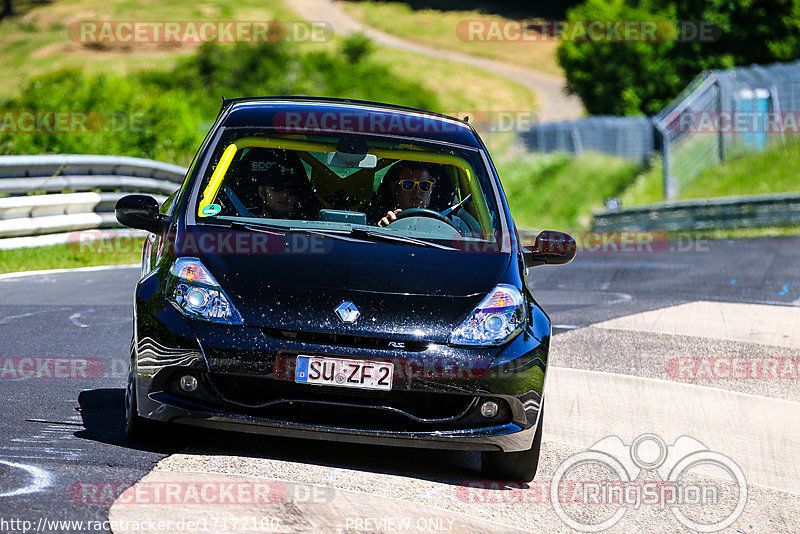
<point x="164" y="115"/>
<point x="356" y="47"/>
<point x="125" y="117"/>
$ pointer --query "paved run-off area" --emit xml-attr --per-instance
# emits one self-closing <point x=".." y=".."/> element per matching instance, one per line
<point x="682" y="354"/>
<point x="364" y="488"/>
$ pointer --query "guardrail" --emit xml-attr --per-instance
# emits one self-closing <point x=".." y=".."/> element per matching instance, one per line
<point x="80" y="164"/>
<point x="33" y="201"/>
<point x="731" y="212"/>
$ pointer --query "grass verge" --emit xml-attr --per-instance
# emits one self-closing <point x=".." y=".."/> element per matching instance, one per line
<point x="737" y="233"/>
<point x="558" y="190"/>
<point x="446" y="29"/>
<point x="774" y="170"/>
<point x="41" y="38"/>
<point x="120" y="251"/>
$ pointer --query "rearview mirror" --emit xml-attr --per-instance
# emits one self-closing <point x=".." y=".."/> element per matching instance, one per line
<point x="551" y="248"/>
<point x="140" y="211"/>
<point x="352" y="161"/>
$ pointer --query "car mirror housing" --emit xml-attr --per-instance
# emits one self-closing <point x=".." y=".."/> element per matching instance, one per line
<point x="141" y="212"/>
<point x="550" y="248"/>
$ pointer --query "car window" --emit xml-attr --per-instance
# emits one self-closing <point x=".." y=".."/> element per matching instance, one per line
<point x="324" y="181"/>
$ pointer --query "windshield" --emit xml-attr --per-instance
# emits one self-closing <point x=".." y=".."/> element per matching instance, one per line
<point x="347" y="183"/>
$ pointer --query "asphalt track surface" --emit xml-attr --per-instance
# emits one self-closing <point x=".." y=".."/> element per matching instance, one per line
<point x="62" y="435"/>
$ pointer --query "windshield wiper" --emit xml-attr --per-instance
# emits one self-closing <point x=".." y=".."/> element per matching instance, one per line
<point x="274" y="229"/>
<point x="393" y="238"/>
<point x="342" y="235"/>
<point x="259" y="227"/>
<point x="356" y="234"/>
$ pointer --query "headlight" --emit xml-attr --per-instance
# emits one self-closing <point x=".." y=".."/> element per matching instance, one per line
<point x="497" y="318"/>
<point x="198" y="295"/>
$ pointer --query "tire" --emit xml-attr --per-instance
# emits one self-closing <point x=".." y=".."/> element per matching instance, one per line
<point x="137" y="428"/>
<point x="514" y="466"/>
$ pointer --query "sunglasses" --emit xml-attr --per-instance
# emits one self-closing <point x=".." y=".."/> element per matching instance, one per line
<point x="424" y="185"/>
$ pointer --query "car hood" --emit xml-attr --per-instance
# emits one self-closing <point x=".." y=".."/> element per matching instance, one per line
<point x="405" y="292"/>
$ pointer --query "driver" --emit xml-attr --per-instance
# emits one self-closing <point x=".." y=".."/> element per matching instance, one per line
<point x="410" y="184"/>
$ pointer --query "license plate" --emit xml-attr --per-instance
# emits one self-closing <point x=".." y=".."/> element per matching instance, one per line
<point x="345" y="373"/>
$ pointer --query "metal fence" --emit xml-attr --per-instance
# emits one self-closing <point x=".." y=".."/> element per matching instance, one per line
<point x="720" y="113"/>
<point x="627" y="137"/>
<point x="725" y="112"/>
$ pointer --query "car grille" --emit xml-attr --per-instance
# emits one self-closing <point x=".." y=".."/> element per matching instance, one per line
<point x="399" y="411"/>
<point x="345" y="340"/>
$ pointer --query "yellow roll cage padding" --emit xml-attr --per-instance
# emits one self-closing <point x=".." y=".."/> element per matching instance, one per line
<point x="211" y="190"/>
<point x="467" y="177"/>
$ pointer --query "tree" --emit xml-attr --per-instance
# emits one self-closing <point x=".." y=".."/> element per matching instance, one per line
<point x="635" y="77"/>
<point x="8" y="9"/>
<point x="627" y="77"/>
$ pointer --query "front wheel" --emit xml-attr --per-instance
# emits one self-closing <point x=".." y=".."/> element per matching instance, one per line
<point x="517" y="466"/>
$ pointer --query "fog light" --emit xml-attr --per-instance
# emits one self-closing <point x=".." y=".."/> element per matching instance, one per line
<point x="489" y="409"/>
<point x="188" y="383"/>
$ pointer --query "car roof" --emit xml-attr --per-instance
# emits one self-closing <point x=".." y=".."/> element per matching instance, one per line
<point x="315" y="114"/>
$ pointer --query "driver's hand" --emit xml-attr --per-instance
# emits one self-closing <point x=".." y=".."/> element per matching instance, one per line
<point x="389" y="219"/>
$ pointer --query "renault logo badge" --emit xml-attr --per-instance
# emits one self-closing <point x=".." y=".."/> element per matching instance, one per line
<point x="347" y="312"/>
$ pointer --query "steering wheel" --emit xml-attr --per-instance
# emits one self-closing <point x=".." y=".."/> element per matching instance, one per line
<point x="425" y="212"/>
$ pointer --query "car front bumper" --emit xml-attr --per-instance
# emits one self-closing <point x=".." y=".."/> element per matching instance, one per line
<point x="246" y="384"/>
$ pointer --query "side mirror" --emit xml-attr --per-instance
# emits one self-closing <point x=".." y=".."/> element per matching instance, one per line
<point x="140" y="211"/>
<point x="551" y="248"/>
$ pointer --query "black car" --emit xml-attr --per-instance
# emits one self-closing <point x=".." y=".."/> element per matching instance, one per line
<point x="342" y="270"/>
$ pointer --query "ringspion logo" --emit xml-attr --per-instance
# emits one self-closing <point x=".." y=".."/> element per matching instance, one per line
<point x="614" y="486"/>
